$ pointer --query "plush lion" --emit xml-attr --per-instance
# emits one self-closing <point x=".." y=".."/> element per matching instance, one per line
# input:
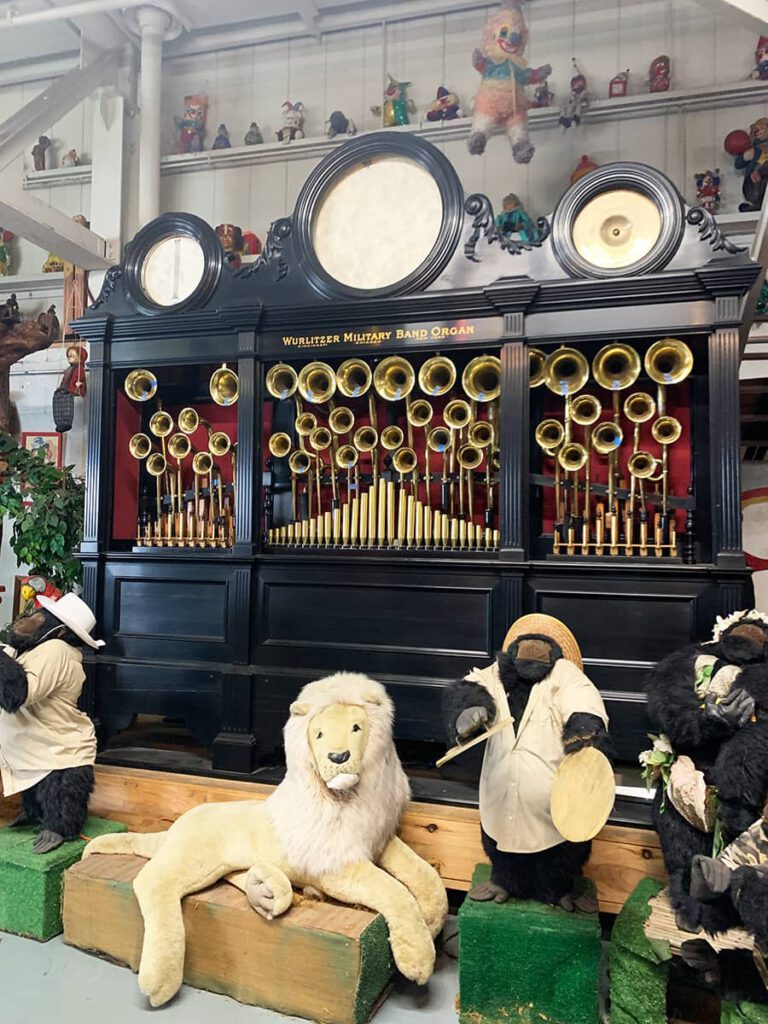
<point x="329" y="825"/>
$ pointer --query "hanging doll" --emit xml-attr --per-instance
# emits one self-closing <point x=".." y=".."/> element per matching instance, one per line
<point x="553" y="710"/>
<point x="501" y="98"/>
<point x="577" y="102"/>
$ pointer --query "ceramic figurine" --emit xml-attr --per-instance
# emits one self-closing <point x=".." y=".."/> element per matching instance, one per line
<point x="192" y="125"/>
<point x="445" y="107"/>
<point x="584" y="166"/>
<point x="9" y="311"/>
<point x="253" y="136"/>
<point x="513" y="220"/>
<point x="6" y="237"/>
<point x="761" y="59"/>
<point x="619" y="85"/>
<point x="659" y="74"/>
<point x="293" y="122"/>
<point x="501" y="99"/>
<point x="231" y="238"/>
<point x="54" y="264"/>
<point x="751" y="152"/>
<point x="70" y="159"/>
<point x="251" y="244"/>
<point x="39" y="150"/>
<point x="577" y="102"/>
<point x="543" y="95"/>
<point x="339" y="124"/>
<point x="708" y="189"/>
<point x="397" y="106"/>
<point x="222" y="138"/>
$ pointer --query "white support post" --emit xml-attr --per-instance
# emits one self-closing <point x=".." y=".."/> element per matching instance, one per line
<point x="107" y="171"/>
<point x="152" y="24"/>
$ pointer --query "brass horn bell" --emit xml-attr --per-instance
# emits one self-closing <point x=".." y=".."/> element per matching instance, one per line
<point x="404" y="461"/>
<point x="639" y="407"/>
<point x="317" y="383"/>
<point x="642" y="465"/>
<point x="668" y="361"/>
<point x="585" y="410"/>
<point x="391" y="438"/>
<point x="219" y="443"/>
<point x="179" y="446"/>
<point x="538" y="359"/>
<point x="281" y="381"/>
<point x="394" y="378"/>
<point x="279" y="444"/>
<point x="481" y="379"/>
<point x="457" y="414"/>
<point x="666" y="430"/>
<point x="353" y="378"/>
<point x="573" y="456"/>
<point x="616" y="367"/>
<point x="437" y="376"/>
<point x="439" y="439"/>
<point x="549" y="434"/>
<point x="160" y="424"/>
<point x="469" y="457"/>
<point x="189" y="420"/>
<point x="224" y="386"/>
<point x="140" y="446"/>
<point x="365" y="439"/>
<point x="140" y="385"/>
<point x="607" y="437"/>
<point x="341" y="420"/>
<point x="566" y="371"/>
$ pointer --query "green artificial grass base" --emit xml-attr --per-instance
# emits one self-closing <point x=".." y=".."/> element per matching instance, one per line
<point x="30" y="883"/>
<point x="743" y="1013"/>
<point x="527" y="962"/>
<point x="639" y="968"/>
<point x="376" y="967"/>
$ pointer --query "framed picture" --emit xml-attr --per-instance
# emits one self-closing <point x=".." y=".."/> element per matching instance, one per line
<point x="49" y="442"/>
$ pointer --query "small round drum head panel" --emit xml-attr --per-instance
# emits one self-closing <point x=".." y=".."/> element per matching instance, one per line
<point x="172" y="270"/>
<point x="377" y="222"/>
<point x="621" y="219"/>
<point x="583" y="793"/>
<point x="617" y="229"/>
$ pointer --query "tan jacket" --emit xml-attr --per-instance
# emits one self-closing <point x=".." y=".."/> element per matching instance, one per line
<point x="48" y="732"/>
<point x="520" y="761"/>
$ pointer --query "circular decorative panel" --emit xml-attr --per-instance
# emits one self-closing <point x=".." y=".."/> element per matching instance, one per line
<point x="617" y="229"/>
<point x="172" y="270"/>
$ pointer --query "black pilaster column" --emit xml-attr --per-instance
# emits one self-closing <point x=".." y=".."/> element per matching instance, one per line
<point x="513" y="486"/>
<point x="724" y="440"/>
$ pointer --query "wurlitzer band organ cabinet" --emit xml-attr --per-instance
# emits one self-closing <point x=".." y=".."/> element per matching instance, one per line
<point x="398" y="429"/>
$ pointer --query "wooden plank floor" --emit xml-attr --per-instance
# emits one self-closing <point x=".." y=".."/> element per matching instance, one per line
<point x="447" y="836"/>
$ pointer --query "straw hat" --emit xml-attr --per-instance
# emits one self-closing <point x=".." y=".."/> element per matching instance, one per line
<point x="76" y="614"/>
<point x="546" y="625"/>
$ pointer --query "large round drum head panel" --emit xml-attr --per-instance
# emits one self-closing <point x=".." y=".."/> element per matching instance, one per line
<point x="377" y="222"/>
<point x="617" y="229"/>
<point x="172" y="270"/>
<point x="619" y="220"/>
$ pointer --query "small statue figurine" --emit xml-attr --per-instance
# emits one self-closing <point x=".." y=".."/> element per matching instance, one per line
<point x="49" y="321"/>
<point x="253" y="136"/>
<point x="513" y="220"/>
<point x="293" y="122"/>
<point x="397" y="106"/>
<point x="11" y="307"/>
<point x="659" y="74"/>
<point x="339" y="124"/>
<point x="542" y="95"/>
<point x="54" y="264"/>
<point x="445" y="106"/>
<point x="231" y="238"/>
<point x="39" y="150"/>
<point x="501" y="98"/>
<point x="708" y="189"/>
<point x="751" y="152"/>
<point x="6" y="237"/>
<point x="761" y="59"/>
<point x="70" y="159"/>
<point x="619" y="85"/>
<point x="577" y="102"/>
<point x="222" y="138"/>
<point x="584" y="166"/>
<point x="192" y="125"/>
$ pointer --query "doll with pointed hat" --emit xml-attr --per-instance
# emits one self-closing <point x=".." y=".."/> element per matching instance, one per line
<point x="501" y="99"/>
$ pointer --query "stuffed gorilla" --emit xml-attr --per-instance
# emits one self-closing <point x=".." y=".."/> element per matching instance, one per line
<point x="711" y="701"/>
<point x="543" y="867"/>
<point x="47" y="746"/>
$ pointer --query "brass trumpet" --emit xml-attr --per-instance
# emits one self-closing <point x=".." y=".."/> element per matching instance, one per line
<point x="160" y="424"/>
<point x="404" y="463"/>
<point x="156" y="467"/>
<point x="353" y="378"/>
<point x="300" y="463"/>
<point x="585" y="411"/>
<point x="639" y="407"/>
<point x="668" y="361"/>
<point x="394" y="378"/>
<point x="316" y="383"/>
<point x="469" y="457"/>
<point x="224" y="386"/>
<point x="140" y="385"/>
<point x="437" y="376"/>
<point x="549" y="435"/>
<point x="179" y="447"/>
<point x="439" y="440"/>
<point x="457" y="415"/>
<point x="202" y="465"/>
<point x="666" y="431"/>
<point x="281" y="381"/>
<point x="420" y="413"/>
<point x="320" y="440"/>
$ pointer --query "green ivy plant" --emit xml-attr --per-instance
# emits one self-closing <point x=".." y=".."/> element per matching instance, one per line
<point x="48" y="529"/>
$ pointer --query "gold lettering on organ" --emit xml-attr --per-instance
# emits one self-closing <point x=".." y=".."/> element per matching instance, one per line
<point x="377" y="337"/>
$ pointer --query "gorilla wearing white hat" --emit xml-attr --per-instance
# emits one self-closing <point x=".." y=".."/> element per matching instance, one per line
<point x="47" y="745"/>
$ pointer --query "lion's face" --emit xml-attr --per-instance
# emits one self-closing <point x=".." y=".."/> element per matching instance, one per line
<point x="338" y="736"/>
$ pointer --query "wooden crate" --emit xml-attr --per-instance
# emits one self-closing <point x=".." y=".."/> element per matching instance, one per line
<point x="321" y="961"/>
<point x="446" y="836"/>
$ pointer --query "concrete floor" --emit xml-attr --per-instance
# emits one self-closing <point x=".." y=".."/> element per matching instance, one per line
<point x="50" y="983"/>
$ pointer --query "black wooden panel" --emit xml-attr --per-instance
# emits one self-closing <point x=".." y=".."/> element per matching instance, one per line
<point x="165" y="608"/>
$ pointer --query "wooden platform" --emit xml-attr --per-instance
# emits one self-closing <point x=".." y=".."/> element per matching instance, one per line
<point x="322" y="961"/>
<point x="446" y="836"/>
<point x="661" y="925"/>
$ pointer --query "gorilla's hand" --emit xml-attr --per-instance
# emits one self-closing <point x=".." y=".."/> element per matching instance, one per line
<point x="734" y="710"/>
<point x="13" y="683"/>
<point x="470" y="720"/>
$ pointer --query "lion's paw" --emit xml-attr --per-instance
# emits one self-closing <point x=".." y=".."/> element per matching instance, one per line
<point x="414" y="954"/>
<point x="160" y="981"/>
<point x="268" y="891"/>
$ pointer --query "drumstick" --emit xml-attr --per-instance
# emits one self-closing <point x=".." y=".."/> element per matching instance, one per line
<point x="461" y="747"/>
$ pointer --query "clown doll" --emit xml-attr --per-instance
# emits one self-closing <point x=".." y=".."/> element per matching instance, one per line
<point x="501" y="98"/>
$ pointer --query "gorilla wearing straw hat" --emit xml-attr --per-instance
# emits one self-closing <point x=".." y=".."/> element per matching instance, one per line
<point x="47" y="745"/>
<point x="552" y="710"/>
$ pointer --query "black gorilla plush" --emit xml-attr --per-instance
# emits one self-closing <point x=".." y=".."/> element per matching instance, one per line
<point x="59" y="802"/>
<point x="725" y="734"/>
<point x="548" y="875"/>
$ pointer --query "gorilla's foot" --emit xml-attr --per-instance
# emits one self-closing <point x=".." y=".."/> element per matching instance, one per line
<point x="47" y="841"/>
<point x="698" y="954"/>
<point x="709" y="878"/>
<point x="688" y="919"/>
<point x="488" y="891"/>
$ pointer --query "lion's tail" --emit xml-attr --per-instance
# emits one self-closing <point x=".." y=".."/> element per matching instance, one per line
<point x="143" y="844"/>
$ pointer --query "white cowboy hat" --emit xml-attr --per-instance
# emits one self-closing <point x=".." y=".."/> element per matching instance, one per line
<point x="74" y="613"/>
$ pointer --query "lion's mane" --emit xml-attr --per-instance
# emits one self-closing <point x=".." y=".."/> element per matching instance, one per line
<point x="322" y="831"/>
